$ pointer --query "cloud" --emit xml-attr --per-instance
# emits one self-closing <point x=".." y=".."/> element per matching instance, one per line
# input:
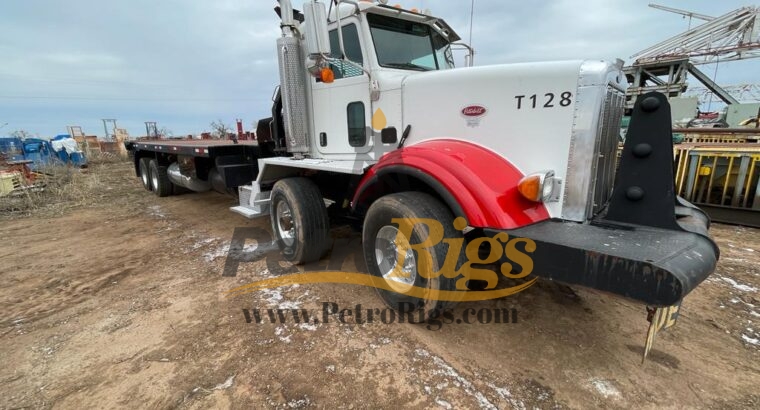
<point x="187" y="63"/>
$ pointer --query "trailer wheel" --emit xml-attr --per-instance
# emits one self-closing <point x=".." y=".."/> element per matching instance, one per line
<point x="381" y="252"/>
<point x="159" y="179"/>
<point x="299" y="220"/>
<point x="145" y="173"/>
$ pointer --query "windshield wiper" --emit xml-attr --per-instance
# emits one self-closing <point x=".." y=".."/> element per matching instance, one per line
<point x="410" y="66"/>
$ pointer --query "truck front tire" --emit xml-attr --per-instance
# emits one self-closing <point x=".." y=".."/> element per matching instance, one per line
<point x="300" y="223"/>
<point x="159" y="179"/>
<point x="381" y="250"/>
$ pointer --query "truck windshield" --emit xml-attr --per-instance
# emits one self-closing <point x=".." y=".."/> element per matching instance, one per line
<point x="408" y="45"/>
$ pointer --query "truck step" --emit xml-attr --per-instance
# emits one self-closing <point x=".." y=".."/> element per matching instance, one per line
<point x="253" y="202"/>
<point x="248" y="212"/>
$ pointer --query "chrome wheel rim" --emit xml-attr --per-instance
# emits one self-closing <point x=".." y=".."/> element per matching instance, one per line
<point x="286" y="228"/>
<point x="145" y="179"/>
<point x="389" y="246"/>
<point x="154" y="178"/>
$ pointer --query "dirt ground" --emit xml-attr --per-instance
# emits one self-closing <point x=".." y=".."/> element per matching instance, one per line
<point x="120" y="302"/>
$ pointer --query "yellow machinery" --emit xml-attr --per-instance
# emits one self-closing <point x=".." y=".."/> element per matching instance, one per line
<point x="722" y="179"/>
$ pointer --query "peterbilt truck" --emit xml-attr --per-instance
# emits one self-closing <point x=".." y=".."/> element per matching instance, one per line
<point x="372" y="120"/>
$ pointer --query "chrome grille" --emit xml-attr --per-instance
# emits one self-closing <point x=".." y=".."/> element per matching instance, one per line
<point x="606" y="149"/>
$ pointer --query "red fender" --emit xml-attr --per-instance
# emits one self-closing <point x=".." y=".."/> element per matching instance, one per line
<point x="482" y="183"/>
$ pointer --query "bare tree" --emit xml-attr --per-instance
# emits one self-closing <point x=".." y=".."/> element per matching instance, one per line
<point x="21" y="134"/>
<point x="165" y="133"/>
<point x="220" y="130"/>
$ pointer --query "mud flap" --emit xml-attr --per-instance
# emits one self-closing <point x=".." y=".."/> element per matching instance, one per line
<point x="659" y="319"/>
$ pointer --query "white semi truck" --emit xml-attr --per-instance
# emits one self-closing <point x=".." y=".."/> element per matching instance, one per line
<point x="372" y="117"/>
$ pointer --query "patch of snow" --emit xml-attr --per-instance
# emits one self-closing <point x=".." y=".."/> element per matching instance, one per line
<point x="156" y="211"/>
<point x="308" y="326"/>
<point x="226" y="385"/>
<point x="605" y="388"/>
<point x="297" y="404"/>
<point x="446" y="370"/>
<point x="751" y="340"/>
<point x="279" y="331"/>
<point x="444" y="404"/>
<point x="739" y="286"/>
<point x="505" y="394"/>
<point x="203" y="242"/>
<point x="422" y="353"/>
<point x="217" y="253"/>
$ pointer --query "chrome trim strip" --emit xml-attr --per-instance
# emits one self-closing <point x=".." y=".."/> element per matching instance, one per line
<point x="593" y="79"/>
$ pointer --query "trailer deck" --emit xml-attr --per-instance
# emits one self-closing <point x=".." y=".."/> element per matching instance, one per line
<point x="198" y="148"/>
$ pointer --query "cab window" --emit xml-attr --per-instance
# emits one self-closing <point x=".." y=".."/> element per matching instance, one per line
<point x="353" y="52"/>
<point x="357" y="127"/>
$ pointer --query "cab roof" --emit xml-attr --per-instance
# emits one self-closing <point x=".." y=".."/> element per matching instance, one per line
<point x="371" y="7"/>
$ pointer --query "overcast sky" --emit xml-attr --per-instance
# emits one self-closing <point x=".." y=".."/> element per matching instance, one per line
<point x="187" y="63"/>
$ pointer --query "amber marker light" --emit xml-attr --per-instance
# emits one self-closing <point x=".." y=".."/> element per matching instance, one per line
<point x="327" y="75"/>
<point x="539" y="187"/>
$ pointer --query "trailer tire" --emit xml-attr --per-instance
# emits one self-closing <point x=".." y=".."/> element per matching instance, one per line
<point x="380" y="252"/>
<point x="159" y="178"/>
<point x="299" y="220"/>
<point x="145" y="173"/>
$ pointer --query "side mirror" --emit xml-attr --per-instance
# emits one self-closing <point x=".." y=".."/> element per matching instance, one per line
<point x="317" y="36"/>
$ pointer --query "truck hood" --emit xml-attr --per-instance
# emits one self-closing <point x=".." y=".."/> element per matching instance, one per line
<point x="527" y="113"/>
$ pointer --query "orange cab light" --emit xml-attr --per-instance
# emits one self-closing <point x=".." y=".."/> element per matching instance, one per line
<point x="414" y="10"/>
<point x="530" y="187"/>
<point x="327" y="75"/>
<point x="398" y="6"/>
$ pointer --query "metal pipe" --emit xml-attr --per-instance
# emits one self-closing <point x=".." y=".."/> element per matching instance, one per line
<point x="343" y="56"/>
<point x="749" y="182"/>
<point x="713" y="172"/>
<point x="286" y="12"/>
<point x="340" y="31"/>
<point x="725" y="181"/>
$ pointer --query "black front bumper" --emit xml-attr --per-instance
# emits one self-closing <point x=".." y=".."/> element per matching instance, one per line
<point x="651" y="265"/>
<point x="648" y="244"/>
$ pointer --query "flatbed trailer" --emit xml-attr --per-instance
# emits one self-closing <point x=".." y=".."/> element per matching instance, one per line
<point x="221" y="165"/>
<point x="200" y="148"/>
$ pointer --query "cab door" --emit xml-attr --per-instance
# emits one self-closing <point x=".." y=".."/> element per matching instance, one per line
<point x="342" y="109"/>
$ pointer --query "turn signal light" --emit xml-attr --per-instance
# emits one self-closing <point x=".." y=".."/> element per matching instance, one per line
<point x="540" y="187"/>
<point x="327" y="75"/>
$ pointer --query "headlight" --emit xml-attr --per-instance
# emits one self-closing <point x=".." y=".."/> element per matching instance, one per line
<point x="540" y="187"/>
